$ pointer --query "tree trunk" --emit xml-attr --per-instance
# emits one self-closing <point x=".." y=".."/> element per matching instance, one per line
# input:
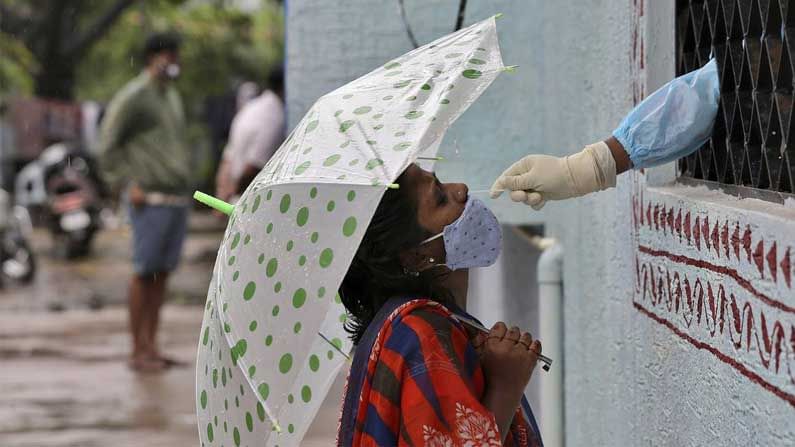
<point x="59" y="47"/>
<point x="56" y="79"/>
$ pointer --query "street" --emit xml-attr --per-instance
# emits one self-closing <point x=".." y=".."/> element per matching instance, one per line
<point x="64" y="346"/>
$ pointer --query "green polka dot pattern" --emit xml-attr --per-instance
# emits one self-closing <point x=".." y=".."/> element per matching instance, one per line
<point x="296" y="228"/>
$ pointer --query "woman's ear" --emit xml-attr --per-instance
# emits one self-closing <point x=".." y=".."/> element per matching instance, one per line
<point x="411" y="260"/>
<point x="421" y="258"/>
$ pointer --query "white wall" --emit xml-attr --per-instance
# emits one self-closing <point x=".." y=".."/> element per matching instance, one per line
<point x="331" y="43"/>
<point x="639" y="372"/>
<point x="630" y="378"/>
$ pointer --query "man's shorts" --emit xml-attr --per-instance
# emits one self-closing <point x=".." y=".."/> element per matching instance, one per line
<point x="158" y="234"/>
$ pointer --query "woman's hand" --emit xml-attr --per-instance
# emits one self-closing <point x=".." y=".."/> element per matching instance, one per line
<point x="508" y="357"/>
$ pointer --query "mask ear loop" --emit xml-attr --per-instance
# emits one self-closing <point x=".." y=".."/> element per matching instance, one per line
<point x="432" y="238"/>
<point x="431" y="260"/>
<point x="417" y="273"/>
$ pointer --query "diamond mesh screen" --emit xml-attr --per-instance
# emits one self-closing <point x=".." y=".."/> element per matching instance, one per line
<point x="753" y="142"/>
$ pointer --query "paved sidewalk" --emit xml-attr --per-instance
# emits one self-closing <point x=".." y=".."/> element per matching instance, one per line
<point x="64" y="379"/>
<point x="65" y="383"/>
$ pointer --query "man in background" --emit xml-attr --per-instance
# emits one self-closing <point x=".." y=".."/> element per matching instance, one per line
<point x="257" y="132"/>
<point x="144" y="152"/>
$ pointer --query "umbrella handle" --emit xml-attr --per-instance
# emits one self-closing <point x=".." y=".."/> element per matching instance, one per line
<point x="214" y="202"/>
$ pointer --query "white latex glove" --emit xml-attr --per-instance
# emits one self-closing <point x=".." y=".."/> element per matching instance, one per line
<point x="537" y="178"/>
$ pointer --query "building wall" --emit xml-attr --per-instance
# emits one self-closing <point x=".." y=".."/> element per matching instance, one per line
<point x="331" y="43"/>
<point x="636" y="373"/>
<point x="671" y="298"/>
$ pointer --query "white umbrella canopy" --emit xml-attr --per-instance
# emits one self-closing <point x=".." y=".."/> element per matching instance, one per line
<point x="272" y="338"/>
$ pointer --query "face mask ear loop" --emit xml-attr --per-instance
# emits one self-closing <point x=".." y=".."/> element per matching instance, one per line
<point x="432" y="238"/>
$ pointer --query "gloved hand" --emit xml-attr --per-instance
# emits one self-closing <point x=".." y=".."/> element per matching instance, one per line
<point x="537" y="178"/>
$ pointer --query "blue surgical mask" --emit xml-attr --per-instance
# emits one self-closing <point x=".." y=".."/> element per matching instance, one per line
<point x="673" y="121"/>
<point x="473" y="240"/>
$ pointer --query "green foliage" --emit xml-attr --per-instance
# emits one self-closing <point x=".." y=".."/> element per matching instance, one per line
<point x="16" y="66"/>
<point x="221" y="46"/>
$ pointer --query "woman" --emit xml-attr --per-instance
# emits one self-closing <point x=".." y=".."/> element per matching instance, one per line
<point x="418" y="376"/>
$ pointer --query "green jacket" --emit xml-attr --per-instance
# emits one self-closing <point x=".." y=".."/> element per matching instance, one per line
<point x="143" y="139"/>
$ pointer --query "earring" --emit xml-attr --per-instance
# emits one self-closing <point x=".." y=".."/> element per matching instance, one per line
<point x="431" y="260"/>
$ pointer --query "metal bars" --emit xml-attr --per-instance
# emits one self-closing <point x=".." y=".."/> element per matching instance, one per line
<point x="753" y="41"/>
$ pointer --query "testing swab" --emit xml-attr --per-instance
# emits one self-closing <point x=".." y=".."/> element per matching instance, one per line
<point x="547" y="362"/>
<point x="481" y="191"/>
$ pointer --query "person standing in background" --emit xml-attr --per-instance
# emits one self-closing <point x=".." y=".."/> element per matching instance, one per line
<point x="144" y="152"/>
<point x="257" y="132"/>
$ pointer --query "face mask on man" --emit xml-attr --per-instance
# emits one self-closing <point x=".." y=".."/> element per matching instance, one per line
<point x="472" y="240"/>
<point x="172" y="71"/>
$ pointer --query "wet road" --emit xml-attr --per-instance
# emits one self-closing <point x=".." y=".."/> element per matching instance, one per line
<point x="63" y="348"/>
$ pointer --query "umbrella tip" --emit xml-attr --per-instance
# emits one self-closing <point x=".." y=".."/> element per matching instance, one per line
<point x="498" y="15"/>
<point x="213" y="202"/>
<point x="510" y="68"/>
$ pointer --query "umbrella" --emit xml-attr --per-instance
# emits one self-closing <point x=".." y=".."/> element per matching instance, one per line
<point x="272" y="339"/>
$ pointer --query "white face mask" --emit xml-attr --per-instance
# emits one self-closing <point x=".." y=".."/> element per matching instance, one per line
<point x="473" y="240"/>
<point x="172" y="71"/>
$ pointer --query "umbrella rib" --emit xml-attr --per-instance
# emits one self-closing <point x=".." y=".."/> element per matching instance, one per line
<point x="333" y="345"/>
<point x="291" y="157"/>
<point x="373" y="152"/>
<point x="304" y="180"/>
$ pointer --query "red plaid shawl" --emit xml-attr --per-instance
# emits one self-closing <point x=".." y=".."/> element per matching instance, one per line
<point x="418" y="382"/>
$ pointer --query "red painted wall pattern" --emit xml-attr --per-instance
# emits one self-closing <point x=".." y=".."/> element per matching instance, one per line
<point x="716" y="283"/>
<point x="712" y="278"/>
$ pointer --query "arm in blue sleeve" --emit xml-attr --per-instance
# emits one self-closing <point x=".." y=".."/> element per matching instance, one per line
<point x="673" y="121"/>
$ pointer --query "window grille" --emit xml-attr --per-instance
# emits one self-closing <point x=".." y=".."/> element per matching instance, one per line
<point x="753" y="142"/>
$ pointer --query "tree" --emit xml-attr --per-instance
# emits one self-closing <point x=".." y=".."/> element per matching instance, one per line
<point x="221" y="46"/>
<point x="16" y="65"/>
<point x="88" y="49"/>
<point x="58" y="35"/>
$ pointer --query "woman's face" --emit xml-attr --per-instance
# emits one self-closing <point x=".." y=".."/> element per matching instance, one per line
<point x="438" y="205"/>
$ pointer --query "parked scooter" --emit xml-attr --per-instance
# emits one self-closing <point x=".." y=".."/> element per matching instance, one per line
<point x="73" y="205"/>
<point x="17" y="262"/>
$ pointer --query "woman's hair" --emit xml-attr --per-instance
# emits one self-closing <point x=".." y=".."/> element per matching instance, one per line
<point x="376" y="274"/>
